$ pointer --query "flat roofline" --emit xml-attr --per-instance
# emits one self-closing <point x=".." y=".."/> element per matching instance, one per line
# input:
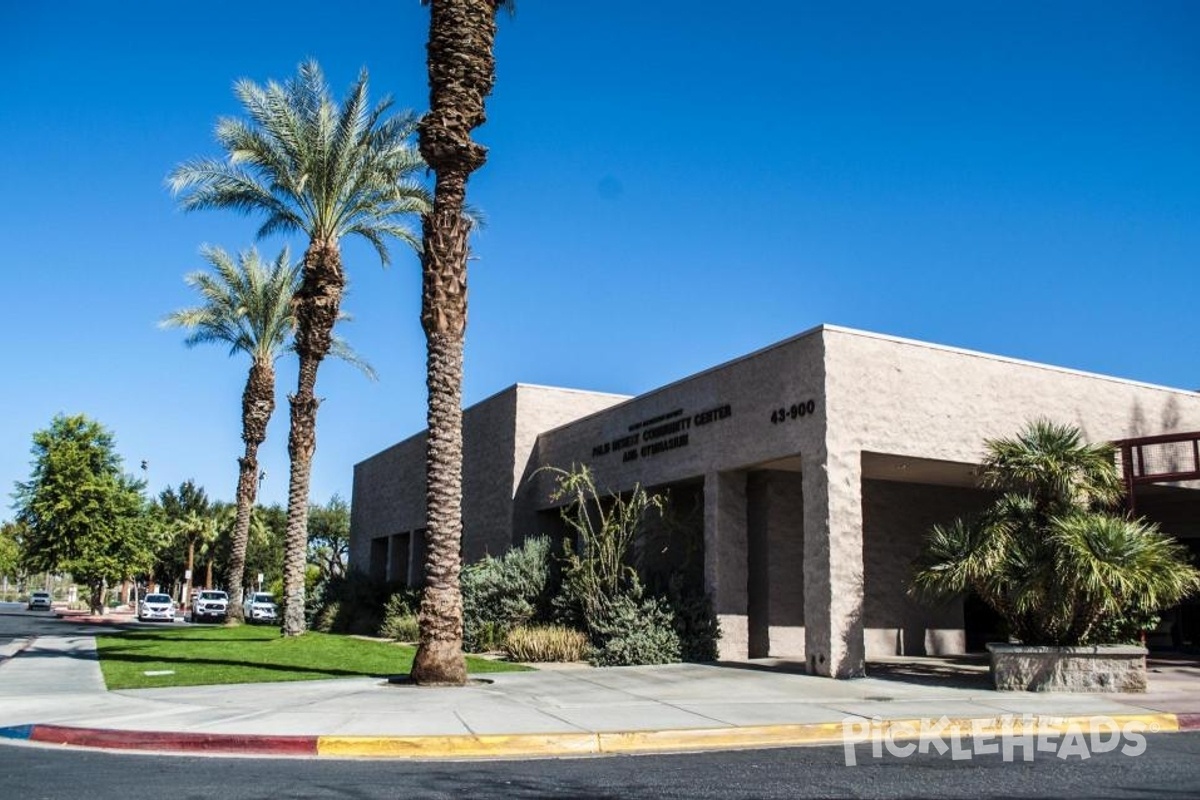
<point x="1007" y="359"/>
<point x="815" y="330"/>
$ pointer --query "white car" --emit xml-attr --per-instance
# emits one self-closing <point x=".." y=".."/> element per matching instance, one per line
<point x="156" y="606"/>
<point x="209" y="604"/>
<point x="260" y="607"/>
<point x="39" y="600"/>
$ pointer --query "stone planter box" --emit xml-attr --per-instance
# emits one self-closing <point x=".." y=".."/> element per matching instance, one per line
<point x="1095" y="668"/>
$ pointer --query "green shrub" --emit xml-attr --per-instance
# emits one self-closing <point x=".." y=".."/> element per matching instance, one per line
<point x="540" y="643"/>
<point x="606" y="526"/>
<point x="400" y="616"/>
<point x="400" y="627"/>
<point x="695" y="622"/>
<point x="323" y="620"/>
<point x="353" y="604"/>
<point x="629" y="631"/>
<point x="500" y="594"/>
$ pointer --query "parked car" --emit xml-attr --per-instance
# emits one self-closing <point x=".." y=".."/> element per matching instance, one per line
<point x="209" y="604"/>
<point x="156" y="606"/>
<point x="39" y="600"/>
<point x="260" y="607"/>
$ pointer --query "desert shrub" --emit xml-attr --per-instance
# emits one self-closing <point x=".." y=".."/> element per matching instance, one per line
<point x="1125" y="628"/>
<point x="502" y="593"/>
<point x="630" y="631"/>
<point x="400" y="627"/>
<point x="323" y="619"/>
<point x="539" y="643"/>
<point x="601" y="592"/>
<point x="695" y="623"/>
<point x="400" y="616"/>
<point x="605" y="526"/>
<point x="353" y="603"/>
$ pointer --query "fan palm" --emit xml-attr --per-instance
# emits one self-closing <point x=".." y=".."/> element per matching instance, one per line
<point x="1047" y="555"/>
<point x="462" y="70"/>
<point x="328" y="172"/>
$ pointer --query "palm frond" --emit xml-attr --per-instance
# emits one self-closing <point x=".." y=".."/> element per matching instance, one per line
<point x="307" y="163"/>
<point x="246" y="305"/>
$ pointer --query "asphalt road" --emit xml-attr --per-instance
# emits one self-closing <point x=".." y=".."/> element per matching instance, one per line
<point x="17" y="623"/>
<point x="1169" y="768"/>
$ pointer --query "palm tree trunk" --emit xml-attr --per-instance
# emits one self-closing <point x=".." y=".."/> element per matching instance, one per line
<point x="317" y="304"/>
<point x="258" y="403"/>
<point x="461" y="73"/>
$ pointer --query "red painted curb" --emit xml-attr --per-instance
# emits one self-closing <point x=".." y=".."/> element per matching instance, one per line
<point x="175" y="742"/>
<point x="1188" y="722"/>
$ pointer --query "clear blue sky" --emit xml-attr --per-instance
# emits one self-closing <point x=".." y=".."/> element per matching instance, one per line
<point x="671" y="184"/>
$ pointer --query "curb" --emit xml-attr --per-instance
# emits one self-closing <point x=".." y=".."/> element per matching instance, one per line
<point x="548" y="745"/>
<point x="22" y="646"/>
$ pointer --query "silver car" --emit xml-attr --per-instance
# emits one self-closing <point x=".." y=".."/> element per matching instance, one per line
<point x="39" y="600"/>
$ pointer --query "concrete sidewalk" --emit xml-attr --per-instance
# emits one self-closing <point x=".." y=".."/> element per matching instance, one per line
<point x="52" y="691"/>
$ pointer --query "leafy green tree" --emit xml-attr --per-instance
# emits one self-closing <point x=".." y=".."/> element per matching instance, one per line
<point x="329" y="537"/>
<point x="11" y="536"/>
<point x="172" y="509"/>
<point x="1047" y="555"/>
<point x="462" y="69"/>
<point x="265" y="552"/>
<point x="327" y="172"/>
<point x="81" y="513"/>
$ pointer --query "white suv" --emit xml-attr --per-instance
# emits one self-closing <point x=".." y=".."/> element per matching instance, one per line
<point x="260" y="607"/>
<point x="209" y="605"/>
<point x="39" y="600"/>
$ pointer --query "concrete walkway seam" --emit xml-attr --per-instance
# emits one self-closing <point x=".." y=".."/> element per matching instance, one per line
<point x="577" y="744"/>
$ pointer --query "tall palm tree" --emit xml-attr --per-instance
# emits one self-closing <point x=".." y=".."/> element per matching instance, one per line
<point x="462" y="70"/>
<point x="328" y="172"/>
<point x="247" y="306"/>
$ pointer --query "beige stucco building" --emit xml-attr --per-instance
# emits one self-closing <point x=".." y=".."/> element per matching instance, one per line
<point x="807" y="473"/>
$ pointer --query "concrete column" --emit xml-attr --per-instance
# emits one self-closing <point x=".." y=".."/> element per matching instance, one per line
<point x="833" y="563"/>
<point x="725" y="554"/>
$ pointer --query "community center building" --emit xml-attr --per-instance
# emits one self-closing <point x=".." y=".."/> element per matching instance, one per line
<point x="801" y="479"/>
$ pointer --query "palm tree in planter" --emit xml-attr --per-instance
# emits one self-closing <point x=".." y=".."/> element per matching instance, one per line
<point x="328" y="172"/>
<point x="1048" y="555"/>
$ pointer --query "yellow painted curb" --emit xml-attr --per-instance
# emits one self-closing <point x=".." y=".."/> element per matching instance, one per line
<point x="851" y="731"/>
<point x="460" y="746"/>
<point x="718" y="738"/>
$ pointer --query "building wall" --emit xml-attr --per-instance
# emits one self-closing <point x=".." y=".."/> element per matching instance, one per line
<point x="800" y="447"/>
<point x="499" y="434"/>
<point x="896" y="517"/>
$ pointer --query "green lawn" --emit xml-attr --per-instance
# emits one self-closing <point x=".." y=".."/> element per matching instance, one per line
<point x="193" y="656"/>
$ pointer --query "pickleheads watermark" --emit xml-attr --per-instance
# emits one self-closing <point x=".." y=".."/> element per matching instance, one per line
<point x="1013" y="737"/>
